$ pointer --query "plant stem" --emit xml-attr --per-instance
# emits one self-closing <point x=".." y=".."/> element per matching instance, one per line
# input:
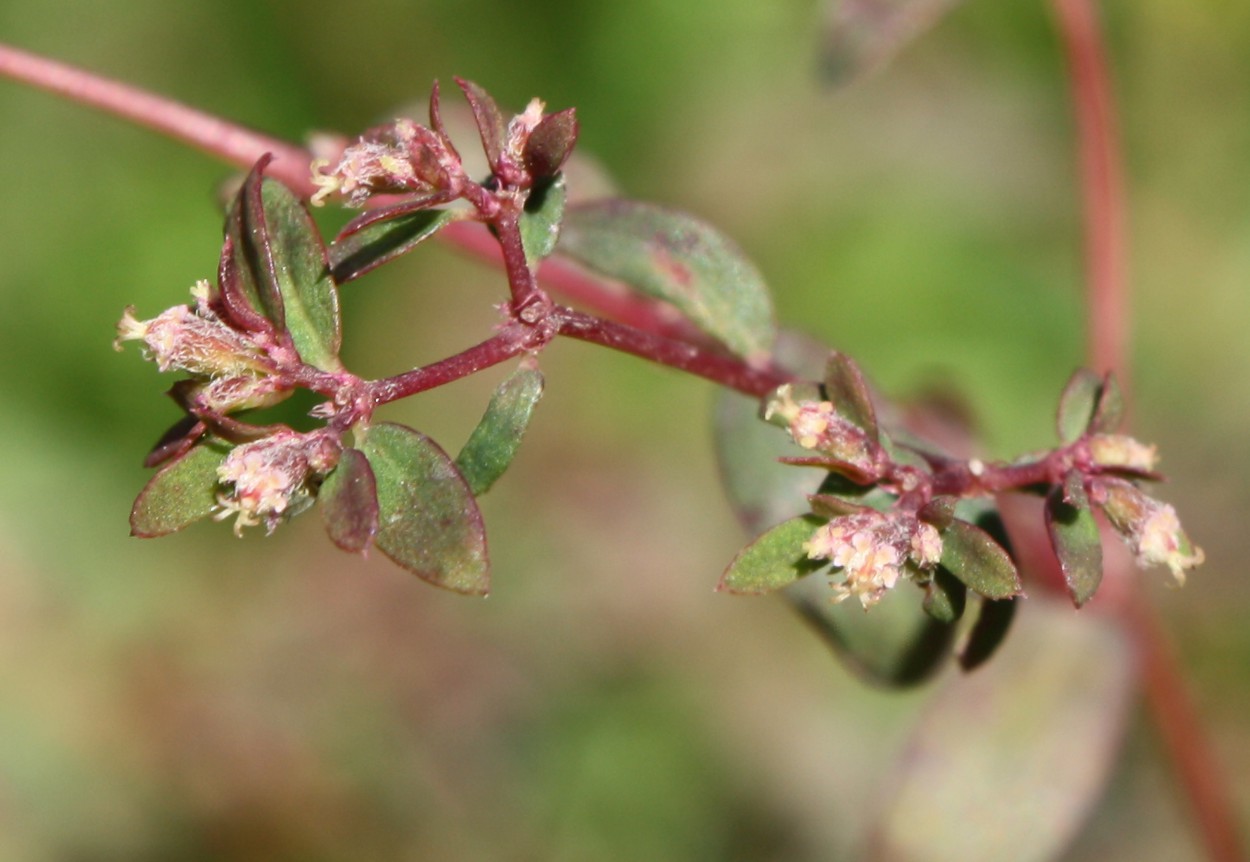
<point x="217" y="137"/>
<point x="718" y="367"/>
<point x="513" y="340"/>
<point x="1102" y="186"/>
<point x="1168" y="700"/>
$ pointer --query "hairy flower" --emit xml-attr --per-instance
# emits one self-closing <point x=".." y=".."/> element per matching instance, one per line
<point x="195" y="340"/>
<point x="817" y="425"/>
<point x="1119" y="450"/>
<point x="1150" y="527"/>
<point x="274" y="478"/>
<point x="870" y="551"/>
<point x="398" y="158"/>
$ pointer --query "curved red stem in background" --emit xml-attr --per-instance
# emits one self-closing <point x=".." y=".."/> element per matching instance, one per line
<point x="1168" y="699"/>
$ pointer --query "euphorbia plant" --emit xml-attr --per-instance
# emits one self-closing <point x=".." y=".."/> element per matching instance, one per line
<point x="868" y="508"/>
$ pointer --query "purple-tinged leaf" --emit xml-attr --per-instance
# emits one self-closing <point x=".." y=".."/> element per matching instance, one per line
<point x="428" y="520"/>
<point x="436" y="121"/>
<point x="988" y="632"/>
<point x="540" y="221"/>
<point x="236" y="295"/>
<point x="296" y="267"/>
<point x="672" y="256"/>
<point x="349" y="503"/>
<point x="863" y="35"/>
<point x="774" y="560"/>
<point x="944" y="597"/>
<point x="1077" y="405"/>
<point x="846" y="388"/>
<point x="490" y="121"/>
<point x="550" y="144"/>
<point x="489" y="451"/>
<point x="182" y="492"/>
<point x="380" y="236"/>
<point x="971" y="555"/>
<point x="1110" y="410"/>
<point x="1075" y="538"/>
<point x="1007" y="763"/>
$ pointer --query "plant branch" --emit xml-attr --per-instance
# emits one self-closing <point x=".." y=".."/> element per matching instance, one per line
<point x="227" y="141"/>
<point x="684" y="356"/>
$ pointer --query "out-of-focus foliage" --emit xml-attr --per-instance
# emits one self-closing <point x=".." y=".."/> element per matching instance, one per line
<point x="204" y="697"/>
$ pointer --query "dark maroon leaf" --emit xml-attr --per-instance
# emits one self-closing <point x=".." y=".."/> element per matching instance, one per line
<point x="550" y="144"/>
<point x="349" y="502"/>
<point x="490" y="121"/>
<point x="988" y="632"/>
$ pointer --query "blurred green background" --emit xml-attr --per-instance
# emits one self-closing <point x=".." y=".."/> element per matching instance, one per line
<point x="201" y="697"/>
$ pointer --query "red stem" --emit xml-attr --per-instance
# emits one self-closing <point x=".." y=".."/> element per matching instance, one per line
<point x="513" y="340"/>
<point x="1102" y="185"/>
<point x="1168" y="699"/>
<point x="720" y="368"/>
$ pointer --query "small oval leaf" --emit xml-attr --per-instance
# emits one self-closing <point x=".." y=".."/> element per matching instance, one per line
<point x="1077" y="405"/>
<point x="847" y="389"/>
<point x="381" y="236"/>
<point x="971" y="555"/>
<point x="428" y="521"/>
<point x="1075" y="538"/>
<point x="490" y="122"/>
<point x="540" y="222"/>
<point x="349" y="503"/>
<point x="1110" y="410"/>
<point x="674" y="257"/>
<point x="550" y="143"/>
<point x="182" y="492"/>
<point x="944" y="597"/>
<point x="774" y="560"/>
<point x="295" y="262"/>
<point x="494" y="442"/>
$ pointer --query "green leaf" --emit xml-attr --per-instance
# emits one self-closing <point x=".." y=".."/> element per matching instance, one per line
<point x="1007" y="763"/>
<point x="294" y="259"/>
<point x="674" y="257"/>
<point x="380" y="236"/>
<point x="971" y="555"/>
<point x="181" y="493"/>
<point x="774" y="560"/>
<point x="540" y="222"/>
<point x="895" y="644"/>
<point x="349" y="502"/>
<point x="944" y="597"/>
<point x="494" y="442"/>
<point x="428" y="520"/>
<point x="1077" y="405"/>
<point x="846" y="388"/>
<point x="1075" y="538"/>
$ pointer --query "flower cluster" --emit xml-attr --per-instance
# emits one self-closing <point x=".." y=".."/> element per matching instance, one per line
<point x="871" y="550"/>
<point x="400" y="158"/>
<point x="274" y="478"/>
<point x="818" y="426"/>
<point x="230" y="369"/>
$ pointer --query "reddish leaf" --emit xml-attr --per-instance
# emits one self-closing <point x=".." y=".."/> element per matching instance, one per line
<point x="349" y="502"/>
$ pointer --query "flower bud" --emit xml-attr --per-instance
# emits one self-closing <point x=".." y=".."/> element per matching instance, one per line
<point x="818" y="426"/>
<point x="1119" y="450"/>
<point x="1150" y="527"/>
<point x="194" y="340"/>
